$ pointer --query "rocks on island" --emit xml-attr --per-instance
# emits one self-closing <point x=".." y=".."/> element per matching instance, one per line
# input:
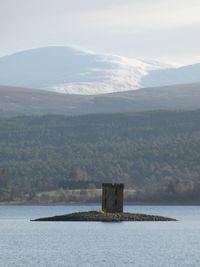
<point x="112" y="209"/>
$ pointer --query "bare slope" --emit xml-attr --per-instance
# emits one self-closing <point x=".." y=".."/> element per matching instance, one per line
<point x="16" y="101"/>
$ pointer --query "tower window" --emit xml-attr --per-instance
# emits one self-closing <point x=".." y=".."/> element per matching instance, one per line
<point x="115" y="202"/>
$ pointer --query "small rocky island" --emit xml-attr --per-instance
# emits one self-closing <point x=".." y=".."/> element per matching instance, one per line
<point x="112" y="209"/>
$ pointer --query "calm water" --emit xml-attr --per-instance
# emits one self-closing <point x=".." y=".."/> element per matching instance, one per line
<point x="25" y="243"/>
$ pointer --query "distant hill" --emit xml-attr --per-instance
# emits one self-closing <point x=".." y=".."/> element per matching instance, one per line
<point x="182" y="75"/>
<point x="16" y="101"/>
<point x="156" y="153"/>
<point x="73" y="71"/>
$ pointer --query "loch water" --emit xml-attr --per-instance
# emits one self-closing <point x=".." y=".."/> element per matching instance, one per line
<point x="91" y="244"/>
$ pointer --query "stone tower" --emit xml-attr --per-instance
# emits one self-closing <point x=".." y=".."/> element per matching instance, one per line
<point x="112" y="197"/>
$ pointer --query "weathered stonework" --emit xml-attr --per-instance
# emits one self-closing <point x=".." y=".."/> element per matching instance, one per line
<point x="112" y="197"/>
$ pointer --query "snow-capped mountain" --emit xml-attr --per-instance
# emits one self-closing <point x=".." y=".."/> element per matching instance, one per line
<point x="69" y="70"/>
<point x="73" y="71"/>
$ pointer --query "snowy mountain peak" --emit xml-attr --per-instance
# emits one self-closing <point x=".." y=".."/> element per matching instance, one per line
<point x="70" y="70"/>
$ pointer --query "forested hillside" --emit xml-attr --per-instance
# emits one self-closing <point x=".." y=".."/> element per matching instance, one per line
<point x="157" y="153"/>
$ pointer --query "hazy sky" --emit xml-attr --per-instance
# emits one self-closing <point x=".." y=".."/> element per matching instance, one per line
<point x="157" y="29"/>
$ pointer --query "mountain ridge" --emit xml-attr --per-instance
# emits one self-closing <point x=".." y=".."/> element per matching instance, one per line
<point x="70" y="70"/>
<point x="21" y="101"/>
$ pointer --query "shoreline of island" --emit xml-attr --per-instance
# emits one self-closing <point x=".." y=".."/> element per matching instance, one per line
<point x="148" y="203"/>
<point x="100" y="216"/>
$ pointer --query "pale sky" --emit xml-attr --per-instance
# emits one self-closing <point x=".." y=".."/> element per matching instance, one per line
<point x="155" y="29"/>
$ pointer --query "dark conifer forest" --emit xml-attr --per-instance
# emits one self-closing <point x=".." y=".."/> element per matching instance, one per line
<point x="155" y="153"/>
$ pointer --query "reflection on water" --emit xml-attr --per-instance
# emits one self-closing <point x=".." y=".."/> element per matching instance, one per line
<point x="25" y="243"/>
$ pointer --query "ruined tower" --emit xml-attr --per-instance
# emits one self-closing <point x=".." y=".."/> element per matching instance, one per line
<point x="112" y="197"/>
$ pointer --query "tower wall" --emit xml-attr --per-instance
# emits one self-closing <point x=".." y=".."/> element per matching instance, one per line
<point x="112" y="197"/>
